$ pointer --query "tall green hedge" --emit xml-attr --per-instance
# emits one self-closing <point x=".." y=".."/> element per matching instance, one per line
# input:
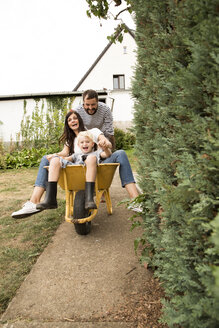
<point x="177" y="138"/>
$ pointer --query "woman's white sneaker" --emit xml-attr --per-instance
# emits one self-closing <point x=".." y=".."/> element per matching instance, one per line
<point x="28" y="209"/>
<point x="135" y="208"/>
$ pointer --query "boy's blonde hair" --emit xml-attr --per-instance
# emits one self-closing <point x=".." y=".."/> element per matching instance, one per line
<point x="87" y="134"/>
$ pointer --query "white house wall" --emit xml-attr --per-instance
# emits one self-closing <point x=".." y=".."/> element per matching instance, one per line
<point x="11" y="114"/>
<point x="122" y="111"/>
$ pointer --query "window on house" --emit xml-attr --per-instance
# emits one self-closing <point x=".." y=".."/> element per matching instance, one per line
<point x="118" y="81"/>
<point x="125" y="50"/>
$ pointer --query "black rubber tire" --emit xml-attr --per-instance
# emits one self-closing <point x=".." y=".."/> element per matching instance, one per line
<point x="80" y="212"/>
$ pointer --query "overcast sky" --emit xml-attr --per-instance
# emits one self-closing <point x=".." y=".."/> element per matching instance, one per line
<point x="48" y="45"/>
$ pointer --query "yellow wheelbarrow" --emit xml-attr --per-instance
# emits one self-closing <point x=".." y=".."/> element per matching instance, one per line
<point x="72" y="180"/>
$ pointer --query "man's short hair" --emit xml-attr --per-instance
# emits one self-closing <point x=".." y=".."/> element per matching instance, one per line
<point x="90" y="94"/>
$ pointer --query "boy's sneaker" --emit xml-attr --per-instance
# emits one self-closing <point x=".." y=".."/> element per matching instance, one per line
<point x="28" y="209"/>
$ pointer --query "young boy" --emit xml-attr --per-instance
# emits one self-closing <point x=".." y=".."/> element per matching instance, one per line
<point x="90" y="158"/>
<point x="87" y="146"/>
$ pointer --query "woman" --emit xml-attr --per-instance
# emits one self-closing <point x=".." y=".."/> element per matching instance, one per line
<point x="73" y="125"/>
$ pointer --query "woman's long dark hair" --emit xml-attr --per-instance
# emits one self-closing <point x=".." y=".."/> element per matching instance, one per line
<point x="68" y="135"/>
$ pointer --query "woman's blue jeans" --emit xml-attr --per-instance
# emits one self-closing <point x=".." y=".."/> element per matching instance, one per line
<point x="125" y="170"/>
<point x="42" y="176"/>
<point x="118" y="156"/>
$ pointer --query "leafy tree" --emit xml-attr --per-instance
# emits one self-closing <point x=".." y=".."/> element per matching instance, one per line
<point x="103" y="10"/>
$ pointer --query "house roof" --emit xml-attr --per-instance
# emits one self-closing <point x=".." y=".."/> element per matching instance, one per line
<point x="46" y="95"/>
<point x="131" y="32"/>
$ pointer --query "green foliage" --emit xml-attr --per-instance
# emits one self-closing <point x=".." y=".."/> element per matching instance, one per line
<point x="102" y="10"/>
<point x="2" y="151"/>
<point x="124" y="140"/>
<point x="44" y="127"/>
<point x="98" y="8"/>
<point x="215" y="250"/>
<point x="25" y="157"/>
<point x="176" y="124"/>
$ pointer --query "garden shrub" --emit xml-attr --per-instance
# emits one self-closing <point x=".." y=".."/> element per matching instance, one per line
<point x="25" y="157"/>
<point x="124" y="140"/>
<point x="176" y="124"/>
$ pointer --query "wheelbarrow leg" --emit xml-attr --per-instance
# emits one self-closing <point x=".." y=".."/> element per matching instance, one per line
<point x="68" y="197"/>
<point x="108" y="201"/>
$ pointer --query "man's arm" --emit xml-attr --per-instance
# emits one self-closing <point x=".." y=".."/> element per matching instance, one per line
<point x="108" y="126"/>
<point x="113" y="142"/>
<point x="103" y="142"/>
<point x="106" y="153"/>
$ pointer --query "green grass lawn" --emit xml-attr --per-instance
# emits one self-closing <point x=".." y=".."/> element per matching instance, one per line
<point x="21" y="241"/>
<point x="132" y="158"/>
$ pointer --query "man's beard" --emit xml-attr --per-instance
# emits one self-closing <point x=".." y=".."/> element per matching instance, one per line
<point x="87" y="111"/>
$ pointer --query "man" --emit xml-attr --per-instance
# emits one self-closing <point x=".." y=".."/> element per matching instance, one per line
<point x="96" y="114"/>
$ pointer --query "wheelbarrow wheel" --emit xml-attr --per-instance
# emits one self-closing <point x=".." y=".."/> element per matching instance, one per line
<point x="80" y="212"/>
